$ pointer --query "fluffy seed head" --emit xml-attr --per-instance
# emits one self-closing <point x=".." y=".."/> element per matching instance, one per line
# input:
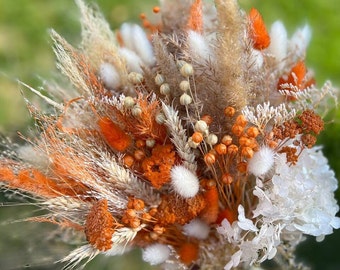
<point x="262" y="161"/>
<point x="109" y="75"/>
<point x="156" y="254"/>
<point x="197" y="228"/>
<point x="184" y="182"/>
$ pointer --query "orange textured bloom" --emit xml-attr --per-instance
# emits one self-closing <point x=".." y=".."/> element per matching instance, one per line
<point x="99" y="226"/>
<point x="258" y="31"/>
<point x="113" y="134"/>
<point x="157" y="167"/>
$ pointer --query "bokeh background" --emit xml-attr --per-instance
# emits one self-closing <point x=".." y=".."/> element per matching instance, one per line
<point x="26" y="54"/>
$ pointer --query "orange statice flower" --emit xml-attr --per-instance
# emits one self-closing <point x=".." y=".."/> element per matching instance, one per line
<point x="192" y="139"/>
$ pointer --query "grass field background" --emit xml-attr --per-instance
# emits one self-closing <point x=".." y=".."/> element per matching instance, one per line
<point x="26" y="54"/>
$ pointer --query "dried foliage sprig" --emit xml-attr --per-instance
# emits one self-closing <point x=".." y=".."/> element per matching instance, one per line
<point x="192" y="139"/>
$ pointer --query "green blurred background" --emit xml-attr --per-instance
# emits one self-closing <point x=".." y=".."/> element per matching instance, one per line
<point x="26" y="54"/>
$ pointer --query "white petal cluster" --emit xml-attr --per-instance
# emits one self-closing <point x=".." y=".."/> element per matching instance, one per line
<point x="137" y="47"/>
<point x="299" y="201"/>
<point x="302" y="196"/>
<point x="255" y="244"/>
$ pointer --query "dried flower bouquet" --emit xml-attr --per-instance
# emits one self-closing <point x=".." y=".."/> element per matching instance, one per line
<point x="192" y="139"/>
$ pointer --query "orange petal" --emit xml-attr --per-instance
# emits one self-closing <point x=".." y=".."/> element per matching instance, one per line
<point x="114" y="135"/>
<point x="195" y="22"/>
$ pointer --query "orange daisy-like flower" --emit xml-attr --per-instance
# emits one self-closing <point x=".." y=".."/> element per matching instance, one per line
<point x="157" y="167"/>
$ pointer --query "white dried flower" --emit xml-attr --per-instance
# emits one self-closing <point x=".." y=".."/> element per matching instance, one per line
<point x="197" y="228"/>
<point x="109" y="75"/>
<point x="184" y="182"/>
<point x="156" y="254"/>
<point x="262" y="161"/>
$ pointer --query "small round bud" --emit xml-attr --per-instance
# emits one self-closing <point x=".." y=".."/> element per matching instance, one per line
<point x="140" y="143"/>
<point x="232" y="149"/>
<point x="138" y="204"/>
<point x="185" y="99"/>
<point x="136" y="111"/>
<point x="154" y="236"/>
<point x="253" y="132"/>
<point x="153" y="212"/>
<point x="227" y="179"/>
<point x="165" y="89"/>
<point x="129" y="102"/>
<point x="139" y="154"/>
<point x="135" y="78"/>
<point x="221" y="149"/>
<point x="160" y="118"/>
<point x="212" y="139"/>
<point x="207" y="118"/>
<point x="156" y="9"/>
<point x="187" y="70"/>
<point x="131" y="213"/>
<point x="192" y="144"/>
<point x="128" y="160"/>
<point x="184" y="86"/>
<point x="158" y="229"/>
<point x="242" y="167"/>
<point x="209" y="158"/>
<point x="197" y="137"/>
<point x="227" y="140"/>
<point x="135" y="223"/>
<point x="159" y="79"/>
<point x="237" y="129"/>
<point x="201" y="126"/>
<point x="229" y="111"/>
<point x="241" y="120"/>
<point x="247" y="152"/>
<point x="180" y="63"/>
<point x="150" y="143"/>
<point x="244" y="141"/>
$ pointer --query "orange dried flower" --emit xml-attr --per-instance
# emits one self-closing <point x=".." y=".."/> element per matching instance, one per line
<point x="237" y="129"/>
<point x="221" y="149"/>
<point x="197" y="137"/>
<point x="174" y="209"/>
<point x="115" y="137"/>
<point x="229" y="111"/>
<point x="210" y="212"/>
<point x="188" y="252"/>
<point x="195" y="22"/>
<point x="228" y="214"/>
<point x="253" y="132"/>
<point x="99" y="226"/>
<point x="227" y="178"/>
<point x="232" y="149"/>
<point x="207" y="118"/>
<point x="157" y="167"/>
<point x="128" y="160"/>
<point x="247" y="152"/>
<point x="209" y="158"/>
<point x="258" y="31"/>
